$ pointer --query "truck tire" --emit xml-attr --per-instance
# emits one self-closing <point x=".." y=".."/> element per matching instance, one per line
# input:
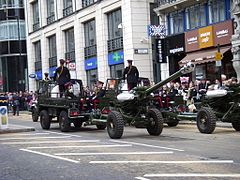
<point x="45" y="120"/>
<point x="34" y="115"/>
<point x="101" y="126"/>
<point x="236" y="125"/>
<point x="77" y="124"/>
<point x="115" y="125"/>
<point x="156" y="122"/>
<point x="206" y="120"/>
<point x="173" y="123"/>
<point x="64" y="124"/>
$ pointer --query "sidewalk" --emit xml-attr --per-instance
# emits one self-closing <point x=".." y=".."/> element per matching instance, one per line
<point x="13" y="128"/>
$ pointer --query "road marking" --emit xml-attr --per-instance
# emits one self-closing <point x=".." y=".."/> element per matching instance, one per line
<point x="49" y="155"/>
<point x="24" y="134"/>
<point x="192" y="175"/>
<point x="141" y="178"/>
<point x="63" y="134"/>
<point x="51" y="142"/>
<point x="146" y="145"/>
<point x="160" y="162"/>
<point x="29" y="138"/>
<point x="88" y="146"/>
<point x="112" y="153"/>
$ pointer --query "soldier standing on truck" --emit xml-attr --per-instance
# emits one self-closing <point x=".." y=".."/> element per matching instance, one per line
<point x="62" y="76"/>
<point x="132" y="75"/>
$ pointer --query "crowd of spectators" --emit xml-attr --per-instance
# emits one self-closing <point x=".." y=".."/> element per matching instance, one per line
<point x="18" y="101"/>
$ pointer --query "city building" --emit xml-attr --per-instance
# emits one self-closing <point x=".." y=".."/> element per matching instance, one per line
<point x="197" y="29"/>
<point x="13" y="58"/>
<point x="96" y="37"/>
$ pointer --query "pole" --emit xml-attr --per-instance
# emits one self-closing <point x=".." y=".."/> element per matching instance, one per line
<point x="219" y="68"/>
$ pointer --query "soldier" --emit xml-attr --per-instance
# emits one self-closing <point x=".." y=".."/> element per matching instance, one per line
<point x="132" y="75"/>
<point x="62" y="76"/>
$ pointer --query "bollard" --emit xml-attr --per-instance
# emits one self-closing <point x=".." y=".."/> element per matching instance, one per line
<point x="3" y="117"/>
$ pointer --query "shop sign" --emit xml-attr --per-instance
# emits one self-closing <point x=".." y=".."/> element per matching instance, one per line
<point x="91" y="63"/>
<point x="38" y="75"/>
<point x="52" y="71"/>
<point x="116" y="57"/>
<point x="31" y="76"/>
<point x="72" y="66"/>
<point x="175" y="44"/>
<point x="191" y="41"/>
<point x="223" y="33"/>
<point x="141" y="51"/>
<point x="157" y="30"/>
<point x="160" y="55"/>
<point x="205" y="37"/>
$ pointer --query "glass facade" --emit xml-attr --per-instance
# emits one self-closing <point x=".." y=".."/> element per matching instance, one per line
<point x="70" y="45"/>
<point x="35" y="16"/>
<point x="52" y="51"/>
<point x="90" y="49"/>
<point x="176" y="21"/>
<point x="11" y="3"/>
<point x="38" y="57"/>
<point x="50" y="11"/>
<point x="67" y="7"/>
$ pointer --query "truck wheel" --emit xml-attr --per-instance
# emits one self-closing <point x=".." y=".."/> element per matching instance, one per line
<point x="101" y="126"/>
<point x="115" y="125"/>
<point x="34" y="115"/>
<point x="206" y="120"/>
<point x="156" y="122"/>
<point x="45" y="121"/>
<point x="64" y="124"/>
<point x="173" y="123"/>
<point x="236" y="125"/>
<point x="77" y="124"/>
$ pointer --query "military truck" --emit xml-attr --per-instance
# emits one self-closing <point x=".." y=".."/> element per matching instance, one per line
<point x="70" y="108"/>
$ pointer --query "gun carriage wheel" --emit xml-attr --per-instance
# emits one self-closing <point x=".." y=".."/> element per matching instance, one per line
<point x="34" y="115"/>
<point x="64" y="124"/>
<point x="206" y="120"/>
<point x="236" y="125"/>
<point x="156" y="122"/>
<point x="115" y="125"/>
<point x="45" y="120"/>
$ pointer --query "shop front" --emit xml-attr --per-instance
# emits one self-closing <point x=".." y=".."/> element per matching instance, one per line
<point x="201" y="46"/>
<point x="91" y="71"/>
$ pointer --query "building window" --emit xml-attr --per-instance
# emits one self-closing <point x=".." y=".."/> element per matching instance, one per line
<point x="70" y="45"/>
<point x="92" y="78"/>
<point x="116" y="71"/>
<point x="176" y="22"/>
<point x="86" y="3"/>
<point x="9" y="30"/>
<point x="52" y="51"/>
<point x="50" y="11"/>
<point x="115" y="39"/>
<point x="67" y="7"/>
<point x="90" y="49"/>
<point x="35" y="8"/>
<point x="11" y="3"/>
<point x="195" y="16"/>
<point x="38" y="57"/>
<point x="216" y="11"/>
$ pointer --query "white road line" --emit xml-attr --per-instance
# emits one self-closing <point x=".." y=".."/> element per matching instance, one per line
<point x="63" y="134"/>
<point x="161" y="162"/>
<point x="112" y="153"/>
<point x="29" y="138"/>
<point x="141" y="178"/>
<point x="49" y="155"/>
<point x="146" y="145"/>
<point x="52" y="142"/>
<point x="88" y="146"/>
<point x="24" y="134"/>
<point x="192" y="175"/>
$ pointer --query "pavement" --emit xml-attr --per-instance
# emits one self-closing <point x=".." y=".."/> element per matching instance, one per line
<point x="13" y="128"/>
<point x="26" y="115"/>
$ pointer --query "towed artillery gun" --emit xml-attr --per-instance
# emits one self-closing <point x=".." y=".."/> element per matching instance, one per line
<point x="135" y="108"/>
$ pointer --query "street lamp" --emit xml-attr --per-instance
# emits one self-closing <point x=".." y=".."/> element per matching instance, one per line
<point x="19" y="38"/>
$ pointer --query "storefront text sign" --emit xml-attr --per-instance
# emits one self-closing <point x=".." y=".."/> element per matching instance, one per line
<point x="91" y="63"/>
<point x="205" y="37"/>
<point x="116" y="57"/>
<point x="175" y="44"/>
<point x="191" y="41"/>
<point x="223" y="33"/>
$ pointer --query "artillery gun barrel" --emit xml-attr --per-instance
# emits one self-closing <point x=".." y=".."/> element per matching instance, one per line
<point x="184" y="70"/>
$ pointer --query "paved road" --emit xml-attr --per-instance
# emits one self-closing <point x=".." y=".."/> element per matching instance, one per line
<point x="87" y="153"/>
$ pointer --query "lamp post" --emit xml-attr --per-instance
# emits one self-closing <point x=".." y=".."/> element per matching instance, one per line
<point x="19" y="38"/>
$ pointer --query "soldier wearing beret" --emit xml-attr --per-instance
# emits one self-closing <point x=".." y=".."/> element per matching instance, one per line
<point x="132" y="75"/>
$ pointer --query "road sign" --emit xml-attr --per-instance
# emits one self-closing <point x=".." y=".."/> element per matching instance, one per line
<point x="72" y="66"/>
<point x="218" y="63"/>
<point x="3" y="117"/>
<point x="218" y="56"/>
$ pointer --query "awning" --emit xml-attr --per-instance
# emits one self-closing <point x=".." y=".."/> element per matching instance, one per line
<point x="202" y="56"/>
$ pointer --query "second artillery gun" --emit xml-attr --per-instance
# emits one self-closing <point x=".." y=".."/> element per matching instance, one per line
<point x="135" y="107"/>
